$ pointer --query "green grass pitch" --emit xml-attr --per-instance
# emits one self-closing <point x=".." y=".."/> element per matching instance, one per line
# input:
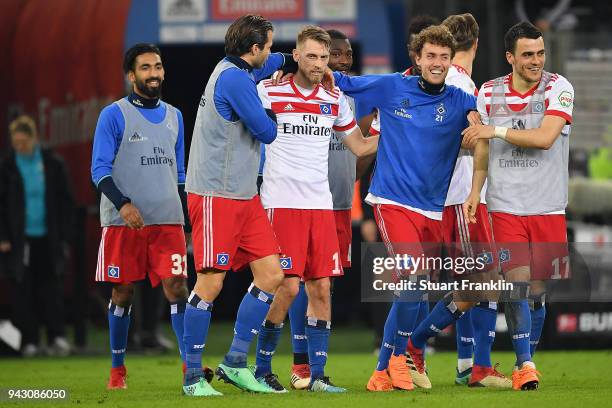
<point x="574" y="379"/>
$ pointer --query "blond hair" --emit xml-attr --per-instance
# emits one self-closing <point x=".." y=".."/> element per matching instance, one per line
<point x="314" y="33"/>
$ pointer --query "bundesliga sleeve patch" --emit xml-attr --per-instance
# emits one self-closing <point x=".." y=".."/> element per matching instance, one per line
<point x="113" y="272"/>
<point x="223" y="259"/>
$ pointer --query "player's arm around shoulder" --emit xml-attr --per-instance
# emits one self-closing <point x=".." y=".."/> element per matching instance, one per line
<point x="557" y="115"/>
<point x="560" y="99"/>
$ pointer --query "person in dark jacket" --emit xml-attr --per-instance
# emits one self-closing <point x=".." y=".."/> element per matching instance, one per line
<point x="36" y="210"/>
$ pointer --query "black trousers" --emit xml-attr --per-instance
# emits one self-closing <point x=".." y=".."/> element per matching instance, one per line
<point x="38" y="298"/>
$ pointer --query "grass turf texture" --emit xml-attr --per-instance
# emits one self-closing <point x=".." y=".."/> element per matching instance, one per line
<point x="568" y="379"/>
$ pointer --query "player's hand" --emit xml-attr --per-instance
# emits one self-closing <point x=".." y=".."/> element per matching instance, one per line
<point x="369" y="231"/>
<point x="5" y="246"/>
<point x="476" y="132"/>
<point x="473" y="118"/>
<point x="328" y="81"/>
<point x="280" y="76"/>
<point x="469" y="146"/>
<point x="131" y="216"/>
<point x="470" y="207"/>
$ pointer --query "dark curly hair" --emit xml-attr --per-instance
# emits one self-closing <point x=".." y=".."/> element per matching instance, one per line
<point x="437" y="35"/>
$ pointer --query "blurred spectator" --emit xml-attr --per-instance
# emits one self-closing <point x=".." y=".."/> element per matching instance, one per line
<point x="36" y="209"/>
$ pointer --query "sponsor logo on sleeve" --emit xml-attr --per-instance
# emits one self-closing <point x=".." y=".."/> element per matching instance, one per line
<point x="566" y="99"/>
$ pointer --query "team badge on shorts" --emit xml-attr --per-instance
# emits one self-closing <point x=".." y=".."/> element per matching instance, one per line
<point x="504" y="255"/>
<point x="223" y="259"/>
<point x="113" y="272"/>
<point x="286" y="263"/>
<point x="487" y="258"/>
<point x="325" y="108"/>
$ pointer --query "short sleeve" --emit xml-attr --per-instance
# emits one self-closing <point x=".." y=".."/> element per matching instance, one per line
<point x="561" y="99"/>
<point x="263" y="95"/>
<point x="345" y="121"/>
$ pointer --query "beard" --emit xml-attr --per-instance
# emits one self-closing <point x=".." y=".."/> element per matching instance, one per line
<point x="313" y="77"/>
<point x="151" y="92"/>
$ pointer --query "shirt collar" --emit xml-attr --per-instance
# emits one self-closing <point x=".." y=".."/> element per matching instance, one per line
<point x="429" y="88"/>
<point x="141" y="102"/>
<point x="239" y="62"/>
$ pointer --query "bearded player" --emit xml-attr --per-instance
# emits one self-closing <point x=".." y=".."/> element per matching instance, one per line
<point x="341" y="174"/>
<point x="296" y="194"/>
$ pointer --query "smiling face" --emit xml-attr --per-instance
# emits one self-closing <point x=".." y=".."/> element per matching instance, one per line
<point x="434" y="61"/>
<point x="340" y="55"/>
<point x="528" y="60"/>
<point x="147" y="75"/>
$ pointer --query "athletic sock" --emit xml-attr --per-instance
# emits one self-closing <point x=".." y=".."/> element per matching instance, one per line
<point x="118" y="324"/>
<point x="267" y="340"/>
<point x="484" y="317"/>
<point x="251" y="313"/>
<point x="423" y="311"/>
<point x="195" y="332"/>
<point x="177" y="318"/>
<point x="537" y="308"/>
<point x="406" y="316"/>
<point x="386" y="347"/>
<point x="444" y="313"/>
<point x="317" y="332"/>
<point x="297" y="321"/>
<point x="465" y="341"/>
<point x="519" y="323"/>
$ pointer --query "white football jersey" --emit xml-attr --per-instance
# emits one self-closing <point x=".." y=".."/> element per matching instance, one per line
<point x="461" y="182"/>
<point x="296" y="166"/>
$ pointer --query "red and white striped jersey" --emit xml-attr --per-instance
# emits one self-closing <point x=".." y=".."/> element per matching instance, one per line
<point x="296" y="166"/>
<point x="558" y="96"/>
<point x="527" y="181"/>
